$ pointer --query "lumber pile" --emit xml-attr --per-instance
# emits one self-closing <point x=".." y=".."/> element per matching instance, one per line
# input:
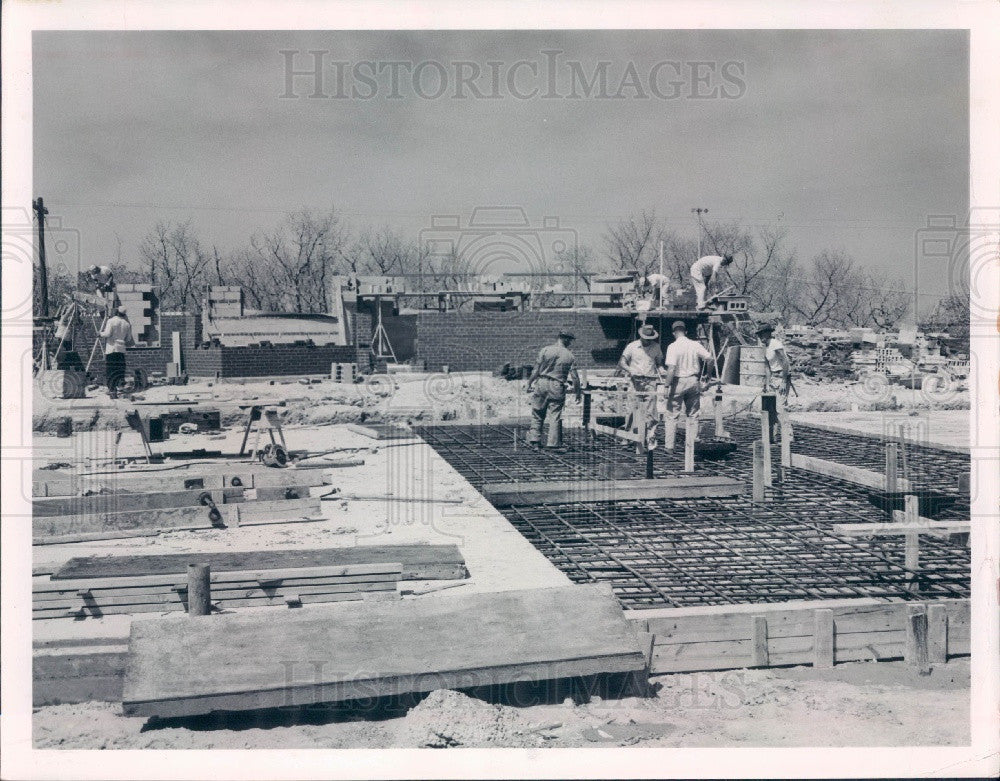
<point x="817" y="633"/>
<point x="331" y="653"/>
<point x="165" y="593"/>
<point x="169" y="480"/>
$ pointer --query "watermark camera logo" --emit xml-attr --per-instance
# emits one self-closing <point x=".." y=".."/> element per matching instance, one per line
<point x="495" y="240"/>
<point x="20" y="237"/>
<point x="970" y="252"/>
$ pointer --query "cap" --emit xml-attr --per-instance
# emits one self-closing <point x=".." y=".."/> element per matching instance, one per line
<point x="678" y="326"/>
<point x="122" y="310"/>
<point x="565" y="333"/>
<point x="648" y="332"/>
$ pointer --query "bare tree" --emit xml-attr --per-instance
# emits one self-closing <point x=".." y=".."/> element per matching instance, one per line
<point x="581" y="262"/>
<point x="821" y="297"/>
<point x="633" y="243"/>
<point x="177" y="264"/>
<point x="297" y="261"/>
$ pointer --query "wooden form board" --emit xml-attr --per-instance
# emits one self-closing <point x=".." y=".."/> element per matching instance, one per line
<point x="372" y="649"/>
<point x="923" y="526"/>
<point x="850" y="474"/>
<point x="100" y="504"/>
<point x="78" y="674"/>
<point x="168" y="592"/>
<point x="506" y="494"/>
<point x="419" y="562"/>
<point x="381" y="431"/>
<point x="177" y="481"/>
<point x="719" y="638"/>
<point x="172" y="518"/>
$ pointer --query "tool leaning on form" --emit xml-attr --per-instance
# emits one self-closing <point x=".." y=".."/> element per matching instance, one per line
<point x="555" y="365"/>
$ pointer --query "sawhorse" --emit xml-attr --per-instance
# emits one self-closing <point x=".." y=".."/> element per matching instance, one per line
<point x="270" y="415"/>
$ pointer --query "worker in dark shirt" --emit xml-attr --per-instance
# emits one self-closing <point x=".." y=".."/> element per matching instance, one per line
<point x="547" y="385"/>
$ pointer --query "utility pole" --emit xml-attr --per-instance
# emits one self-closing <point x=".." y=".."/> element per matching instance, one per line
<point x="699" y="210"/>
<point x="38" y="205"/>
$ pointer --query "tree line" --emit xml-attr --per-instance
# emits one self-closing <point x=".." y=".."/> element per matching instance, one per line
<point x="290" y="267"/>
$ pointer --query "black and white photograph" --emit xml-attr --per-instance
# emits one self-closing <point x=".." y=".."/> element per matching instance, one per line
<point x="406" y="376"/>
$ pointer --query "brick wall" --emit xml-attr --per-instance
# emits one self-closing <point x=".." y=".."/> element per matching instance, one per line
<point x="276" y="361"/>
<point x="484" y="341"/>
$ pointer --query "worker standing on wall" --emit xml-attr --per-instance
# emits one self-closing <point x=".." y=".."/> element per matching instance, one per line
<point x="684" y="361"/>
<point x="642" y="363"/>
<point x="547" y="384"/>
<point x="103" y="279"/>
<point x="117" y="335"/>
<point x="777" y="373"/>
<point x="704" y="272"/>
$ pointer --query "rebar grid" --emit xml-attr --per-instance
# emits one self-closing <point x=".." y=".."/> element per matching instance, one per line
<point x="717" y="551"/>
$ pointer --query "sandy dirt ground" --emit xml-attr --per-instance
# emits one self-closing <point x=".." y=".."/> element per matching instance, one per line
<point x="864" y="704"/>
<point x="852" y="705"/>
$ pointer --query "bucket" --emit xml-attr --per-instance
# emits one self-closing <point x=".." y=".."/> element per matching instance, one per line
<point x="64" y="427"/>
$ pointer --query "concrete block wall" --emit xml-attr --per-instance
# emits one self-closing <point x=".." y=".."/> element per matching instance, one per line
<point x="484" y="341"/>
<point x="276" y="361"/>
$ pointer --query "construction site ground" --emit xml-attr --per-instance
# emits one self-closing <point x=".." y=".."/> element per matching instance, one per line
<point x="856" y="704"/>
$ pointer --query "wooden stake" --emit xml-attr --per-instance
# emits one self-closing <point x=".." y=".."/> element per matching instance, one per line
<point x="915" y="652"/>
<point x="669" y="432"/>
<point x="786" y="444"/>
<point x="937" y="634"/>
<point x="720" y="430"/>
<point x="199" y="591"/>
<point x="911" y="509"/>
<point x="690" y="436"/>
<point x="758" y="471"/>
<point x="649" y="464"/>
<point x="891" y="467"/>
<point x="760" y="655"/>
<point x="912" y="563"/>
<point x="823" y="638"/>
<point x="765" y="438"/>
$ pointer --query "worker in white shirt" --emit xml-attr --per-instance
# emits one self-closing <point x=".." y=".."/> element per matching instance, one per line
<point x="642" y="363"/>
<point x="777" y="373"/>
<point x="704" y="273"/>
<point x="684" y="361"/>
<point x="117" y="335"/>
<point x="659" y="287"/>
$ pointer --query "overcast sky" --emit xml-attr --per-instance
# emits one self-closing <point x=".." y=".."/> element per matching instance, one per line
<point x="849" y="138"/>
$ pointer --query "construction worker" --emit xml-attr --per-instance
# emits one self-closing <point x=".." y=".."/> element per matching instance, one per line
<point x="684" y="361"/>
<point x="642" y="363"/>
<point x="704" y="272"/>
<point x="117" y="335"/>
<point x="103" y="278"/>
<point x="547" y="385"/>
<point x="777" y="372"/>
<point x="660" y="287"/>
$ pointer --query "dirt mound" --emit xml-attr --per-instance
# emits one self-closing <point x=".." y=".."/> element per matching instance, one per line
<point x="446" y="719"/>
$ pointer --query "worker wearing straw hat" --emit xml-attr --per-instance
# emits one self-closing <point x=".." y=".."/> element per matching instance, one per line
<point x="642" y="363"/>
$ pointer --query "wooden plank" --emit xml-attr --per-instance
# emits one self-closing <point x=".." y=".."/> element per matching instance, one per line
<point x="179" y="480"/>
<point x="91" y="673"/>
<point x="916" y="639"/>
<point x="171" y="579"/>
<point x="419" y="562"/>
<point x="102" y="504"/>
<point x="77" y="610"/>
<point x="176" y="667"/>
<point x="850" y="474"/>
<point x="619" y="433"/>
<point x="175" y="517"/>
<point x="381" y="431"/>
<point x="923" y="526"/>
<point x="823" y="638"/>
<point x="689" y="487"/>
